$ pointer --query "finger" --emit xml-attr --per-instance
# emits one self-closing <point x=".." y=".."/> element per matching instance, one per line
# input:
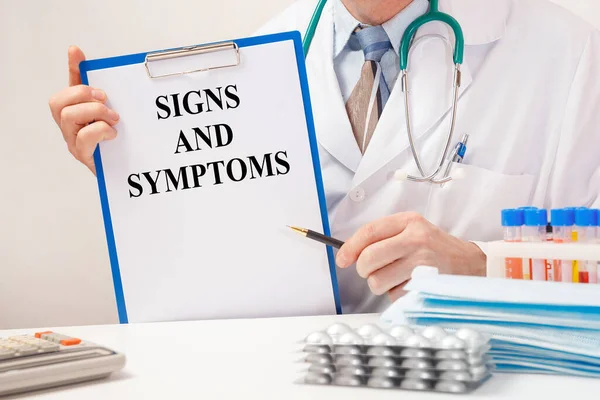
<point x="373" y="232"/>
<point x="397" y="292"/>
<point x="88" y="138"/>
<point x="75" y="117"/>
<point x="74" y="95"/>
<point x="390" y="276"/>
<point x="380" y="254"/>
<point x="76" y="56"/>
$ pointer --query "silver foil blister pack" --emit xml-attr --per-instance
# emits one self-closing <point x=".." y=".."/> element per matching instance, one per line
<point x="397" y="357"/>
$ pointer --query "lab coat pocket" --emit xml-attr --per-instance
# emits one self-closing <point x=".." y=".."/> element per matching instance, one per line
<point x="470" y="207"/>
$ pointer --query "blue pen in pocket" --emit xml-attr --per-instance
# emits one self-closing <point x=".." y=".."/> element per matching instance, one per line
<point x="457" y="155"/>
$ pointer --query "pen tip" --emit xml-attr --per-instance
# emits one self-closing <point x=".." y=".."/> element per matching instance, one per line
<point x="295" y="228"/>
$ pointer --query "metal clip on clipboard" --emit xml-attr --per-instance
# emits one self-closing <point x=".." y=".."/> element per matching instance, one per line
<point x="192" y="51"/>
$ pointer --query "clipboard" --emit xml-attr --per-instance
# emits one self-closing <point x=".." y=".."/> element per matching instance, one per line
<point x="141" y="291"/>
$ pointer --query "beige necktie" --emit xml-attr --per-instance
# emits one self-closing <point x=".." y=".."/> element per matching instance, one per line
<point x="357" y="106"/>
<point x="366" y="102"/>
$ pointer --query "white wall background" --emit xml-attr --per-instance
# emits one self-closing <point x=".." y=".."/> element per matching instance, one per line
<point x="54" y="267"/>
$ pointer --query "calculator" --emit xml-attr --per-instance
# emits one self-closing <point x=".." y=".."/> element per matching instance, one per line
<point x="48" y="359"/>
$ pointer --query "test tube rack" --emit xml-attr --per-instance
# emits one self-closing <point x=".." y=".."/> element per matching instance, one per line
<point x="498" y="251"/>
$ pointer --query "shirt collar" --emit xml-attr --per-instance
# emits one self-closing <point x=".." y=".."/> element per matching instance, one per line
<point x="344" y="24"/>
<point x="396" y="26"/>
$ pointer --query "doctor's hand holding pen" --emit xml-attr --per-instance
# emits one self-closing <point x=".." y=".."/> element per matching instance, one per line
<point x="387" y="250"/>
<point x="80" y="112"/>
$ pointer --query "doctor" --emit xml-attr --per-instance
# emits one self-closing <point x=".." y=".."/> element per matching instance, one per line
<point x="529" y="100"/>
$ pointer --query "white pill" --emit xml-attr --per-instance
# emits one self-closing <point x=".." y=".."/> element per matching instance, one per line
<point x="451" y="365"/>
<point x="319" y="338"/>
<point x="419" y="374"/>
<point x="347" y="349"/>
<point x="415" y="353"/>
<point x="382" y="362"/>
<point x="450" y="355"/>
<point x="451" y="387"/>
<point x="472" y="337"/>
<point x="314" y="358"/>
<point x="350" y="338"/>
<point x="383" y="339"/>
<point x="434" y="333"/>
<point x="479" y="371"/>
<point x="380" y="351"/>
<point x="348" y="361"/>
<point x="321" y="369"/>
<point x="416" y="340"/>
<point x="348" y="380"/>
<point x="314" y="378"/>
<point x="368" y="331"/>
<point x="338" y="329"/>
<point x="452" y="342"/>
<point x="315" y="348"/>
<point x="400" y="332"/>
<point x="414" y="384"/>
<point x="462" y="376"/>
<point x="356" y="370"/>
<point x="386" y="372"/>
<point x="415" y="363"/>
<point x="380" y="382"/>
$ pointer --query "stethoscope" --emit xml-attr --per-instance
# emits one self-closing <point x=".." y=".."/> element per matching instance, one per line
<point x="432" y="15"/>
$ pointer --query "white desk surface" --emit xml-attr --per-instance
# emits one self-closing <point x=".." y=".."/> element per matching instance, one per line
<point x="254" y="359"/>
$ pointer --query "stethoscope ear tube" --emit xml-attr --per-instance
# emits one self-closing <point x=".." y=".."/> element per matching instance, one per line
<point x="312" y="26"/>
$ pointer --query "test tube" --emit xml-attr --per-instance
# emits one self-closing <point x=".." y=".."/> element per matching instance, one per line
<point x="586" y="233"/>
<point x="527" y="262"/>
<point x="562" y="228"/>
<point x="534" y="230"/>
<point x="574" y="238"/>
<point x="596" y="222"/>
<point x="549" y="263"/>
<point x="512" y="220"/>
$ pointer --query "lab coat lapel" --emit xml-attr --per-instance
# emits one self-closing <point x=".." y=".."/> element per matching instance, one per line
<point x="333" y="128"/>
<point x="430" y="73"/>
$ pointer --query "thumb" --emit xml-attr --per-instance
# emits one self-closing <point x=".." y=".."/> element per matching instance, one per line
<point x="75" y="57"/>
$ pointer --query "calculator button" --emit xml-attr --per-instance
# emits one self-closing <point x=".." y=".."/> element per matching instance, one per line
<point x="6" y="353"/>
<point x="39" y="334"/>
<point x="49" y="347"/>
<point x="26" y="350"/>
<point x="70" y="341"/>
<point x="54" y="337"/>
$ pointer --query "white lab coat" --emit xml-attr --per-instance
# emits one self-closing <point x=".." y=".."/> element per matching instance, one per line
<point x="530" y="101"/>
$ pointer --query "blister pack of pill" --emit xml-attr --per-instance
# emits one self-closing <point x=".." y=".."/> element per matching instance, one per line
<point x="397" y="357"/>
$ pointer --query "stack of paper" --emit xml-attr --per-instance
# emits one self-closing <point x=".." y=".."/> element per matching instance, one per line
<point x="535" y="327"/>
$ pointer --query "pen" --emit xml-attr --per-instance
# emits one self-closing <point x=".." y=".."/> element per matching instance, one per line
<point x="461" y="149"/>
<point x="329" y="241"/>
<point x="457" y="155"/>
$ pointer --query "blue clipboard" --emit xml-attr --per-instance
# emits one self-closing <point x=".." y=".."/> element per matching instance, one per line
<point x="139" y="58"/>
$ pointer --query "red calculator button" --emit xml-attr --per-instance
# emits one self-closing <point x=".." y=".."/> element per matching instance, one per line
<point x="39" y="334"/>
<point x="70" y="341"/>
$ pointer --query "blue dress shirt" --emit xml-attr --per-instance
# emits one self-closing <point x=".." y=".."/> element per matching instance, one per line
<point x="348" y="57"/>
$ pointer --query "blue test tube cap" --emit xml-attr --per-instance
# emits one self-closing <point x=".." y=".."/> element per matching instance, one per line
<point x="536" y="217"/>
<point x="570" y="215"/>
<point x="584" y="217"/>
<point x="512" y="217"/>
<point x="558" y="217"/>
<point x="596" y="217"/>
